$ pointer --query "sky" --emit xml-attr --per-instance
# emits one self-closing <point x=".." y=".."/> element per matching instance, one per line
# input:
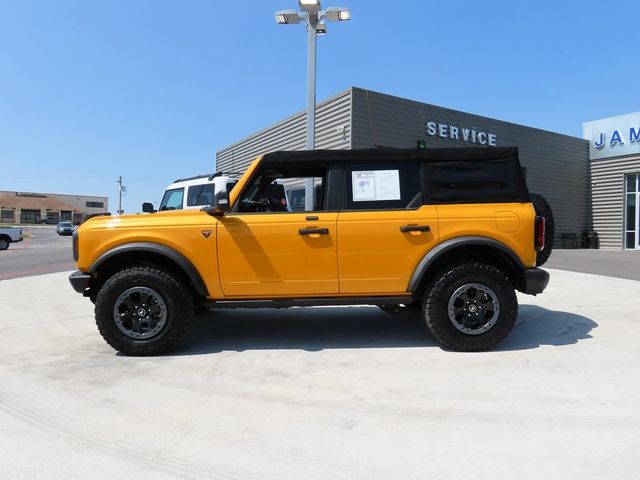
<point x="151" y="89"/>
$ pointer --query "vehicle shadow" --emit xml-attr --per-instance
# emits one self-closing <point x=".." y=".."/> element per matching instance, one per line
<point x="315" y="329"/>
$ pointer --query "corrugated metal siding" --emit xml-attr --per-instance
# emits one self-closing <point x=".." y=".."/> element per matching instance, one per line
<point x="557" y="165"/>
<point x="290" y="134"/>
<point x="607" y="177"/>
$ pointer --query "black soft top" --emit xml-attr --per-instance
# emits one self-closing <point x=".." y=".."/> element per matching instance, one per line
<point x="373" y="154"/>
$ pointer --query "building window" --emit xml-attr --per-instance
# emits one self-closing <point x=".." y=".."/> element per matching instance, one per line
<point x="95" y="204"/>
<point x="7" y="216"/>
<point x="29" y="216"/>
<point x="632" y="212"/>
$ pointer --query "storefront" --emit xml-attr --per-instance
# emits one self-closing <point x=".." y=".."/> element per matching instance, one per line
<point x="557" y="166"/>
<point x="614" y="151"/>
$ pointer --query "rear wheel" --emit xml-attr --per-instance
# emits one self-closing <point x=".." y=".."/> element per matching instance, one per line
<point x="143" y="311"/>
<point x="543" y="209"/>
<point x="470" y="307"/>
<point x="4" y="243"/>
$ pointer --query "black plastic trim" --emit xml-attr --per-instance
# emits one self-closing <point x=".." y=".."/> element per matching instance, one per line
<point x="163" y="250"/>
<point x="429" y="258"/>
<point x="535" y="280"/>
<point x="309" y="302"/>
<point x="79" y="281"/>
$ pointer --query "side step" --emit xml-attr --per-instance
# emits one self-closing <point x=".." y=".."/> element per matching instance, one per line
<point x="308" y="302"/>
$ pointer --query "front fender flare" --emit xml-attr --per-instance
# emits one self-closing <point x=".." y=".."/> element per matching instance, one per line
<point x="167" y="252"/>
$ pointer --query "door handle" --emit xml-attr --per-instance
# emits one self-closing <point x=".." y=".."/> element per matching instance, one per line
<point x="312" y="231"/>
<point x="414" y="228"/>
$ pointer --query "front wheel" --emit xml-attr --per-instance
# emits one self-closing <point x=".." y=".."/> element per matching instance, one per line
<point x="470" y="307"/>
<point x="143" y="311"/>
<point x="4" y="243"/>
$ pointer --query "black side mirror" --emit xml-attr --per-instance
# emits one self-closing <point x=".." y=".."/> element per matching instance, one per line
<point x="220" y="204"/>
<point x="148" y="207"/>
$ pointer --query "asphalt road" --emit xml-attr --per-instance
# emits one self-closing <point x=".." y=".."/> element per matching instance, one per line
<point x="612" y="263"/>
<point x="44" y="252"/>
<point x="323" y="393"/>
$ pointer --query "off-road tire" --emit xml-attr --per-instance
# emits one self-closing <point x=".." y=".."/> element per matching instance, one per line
<point x="4" y="243"/>
<point x="543" y="209"/>
<point x="440" y="291"/>
<point x="174" y="293"/>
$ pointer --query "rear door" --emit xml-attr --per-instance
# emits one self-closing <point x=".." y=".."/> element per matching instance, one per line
<point x="385" y="229"/>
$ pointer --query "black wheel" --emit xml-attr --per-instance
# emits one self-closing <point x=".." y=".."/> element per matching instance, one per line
<point x="4" y="243"/>
<point x="470" y="307"/>
<point x="543" y="209"/>
<point x="143" y="311"/>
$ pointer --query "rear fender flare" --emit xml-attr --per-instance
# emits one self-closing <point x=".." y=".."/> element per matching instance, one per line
<point x="429" y="259"/>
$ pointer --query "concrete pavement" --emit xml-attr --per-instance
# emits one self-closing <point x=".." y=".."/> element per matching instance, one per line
<point x="321" y="393"/>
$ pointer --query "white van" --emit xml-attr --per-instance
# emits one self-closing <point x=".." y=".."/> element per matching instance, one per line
<point x="196" y="192"/>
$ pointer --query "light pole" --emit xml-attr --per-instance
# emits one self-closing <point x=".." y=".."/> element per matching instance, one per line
<point x="314" y="20"/>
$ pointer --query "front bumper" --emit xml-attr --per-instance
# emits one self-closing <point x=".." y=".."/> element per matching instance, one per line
<point x="79" y="281"/>
<point x="535" y="280"/>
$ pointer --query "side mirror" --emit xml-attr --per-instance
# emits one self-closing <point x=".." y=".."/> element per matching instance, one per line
<point x="148" y="207"/>
<point x="220" y="204"/>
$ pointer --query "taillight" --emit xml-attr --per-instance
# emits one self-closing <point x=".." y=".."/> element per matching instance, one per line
<point x="539" y="233"/>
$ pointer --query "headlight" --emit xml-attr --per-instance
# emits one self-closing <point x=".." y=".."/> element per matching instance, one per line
<point x="75" y="245"/>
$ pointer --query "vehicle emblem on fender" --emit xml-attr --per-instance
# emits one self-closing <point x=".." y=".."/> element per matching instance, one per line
<point x="206" y="233"/>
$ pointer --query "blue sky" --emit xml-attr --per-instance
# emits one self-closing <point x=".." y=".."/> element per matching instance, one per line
<point x="149" y="90"/>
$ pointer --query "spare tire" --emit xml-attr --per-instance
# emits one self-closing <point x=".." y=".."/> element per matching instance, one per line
<point x="543" y="209"/>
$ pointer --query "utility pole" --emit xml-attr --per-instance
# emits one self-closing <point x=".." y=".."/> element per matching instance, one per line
<point x="121" y="189"/>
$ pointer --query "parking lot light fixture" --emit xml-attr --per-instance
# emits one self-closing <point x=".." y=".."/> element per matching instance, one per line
<point x="285" y="17"/>
<point x="315" y="22"/>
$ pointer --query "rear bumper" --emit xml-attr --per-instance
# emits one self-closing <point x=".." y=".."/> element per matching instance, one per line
<point x="535" y="280"/>
<point x="79" y="281"/>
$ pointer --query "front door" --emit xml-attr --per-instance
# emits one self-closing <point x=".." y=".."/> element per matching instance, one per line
<point x="278" y="254"/>
<point x="266" y="249"/>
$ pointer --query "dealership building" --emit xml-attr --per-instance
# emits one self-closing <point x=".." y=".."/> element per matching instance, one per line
<point x="588" y="187"/>
<point x="30" y="207"/>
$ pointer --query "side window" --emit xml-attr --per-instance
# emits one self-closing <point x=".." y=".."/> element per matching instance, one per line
<point x="383" y="186"/>
<point x="485" y="181"/>
<point x="200" y="195"/>
<point x="282" y="189"/>
<point x="172" y="199"/>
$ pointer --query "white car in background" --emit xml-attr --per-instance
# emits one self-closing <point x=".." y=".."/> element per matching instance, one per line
<point x="199" y="191"/>
<point x="193" y="192"/>
<point x="9" y="235"/>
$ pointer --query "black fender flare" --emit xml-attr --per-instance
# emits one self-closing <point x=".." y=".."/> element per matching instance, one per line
<point x="168" y="252"/>
<point x="438" y="250"/>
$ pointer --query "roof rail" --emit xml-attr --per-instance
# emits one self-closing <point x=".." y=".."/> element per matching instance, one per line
<point x="204" y="175"/>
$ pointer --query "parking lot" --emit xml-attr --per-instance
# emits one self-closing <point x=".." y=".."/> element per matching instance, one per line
<point x="323" y="393"/>
<point x="42" y="251"/>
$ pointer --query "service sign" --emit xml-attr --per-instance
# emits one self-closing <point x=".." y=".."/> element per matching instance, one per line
<point x="460" y="133"/>
<point x="614" y="136"/>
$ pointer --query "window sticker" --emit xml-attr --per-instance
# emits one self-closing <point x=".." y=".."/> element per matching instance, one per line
<point x="374" y="185"/>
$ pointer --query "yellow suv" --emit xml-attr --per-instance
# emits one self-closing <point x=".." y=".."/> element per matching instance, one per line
<point x="451" y="232"/>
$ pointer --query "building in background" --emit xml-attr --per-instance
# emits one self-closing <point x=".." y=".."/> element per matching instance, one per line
<point x="614" y="150"/>
<point x="29" y="207"/>
<point x="557" y="166"/>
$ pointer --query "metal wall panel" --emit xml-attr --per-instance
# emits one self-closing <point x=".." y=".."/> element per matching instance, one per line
<point x="557" y="165"/>
<point x="607" y="177"/>
<point x="333" y="132"/>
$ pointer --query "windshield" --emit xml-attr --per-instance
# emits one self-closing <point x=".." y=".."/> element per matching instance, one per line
<point x="172" y="199"/>
<point x="65" y="224"/>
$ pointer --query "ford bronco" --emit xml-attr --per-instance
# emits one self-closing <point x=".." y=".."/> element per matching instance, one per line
<point x="451" y="233"/>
